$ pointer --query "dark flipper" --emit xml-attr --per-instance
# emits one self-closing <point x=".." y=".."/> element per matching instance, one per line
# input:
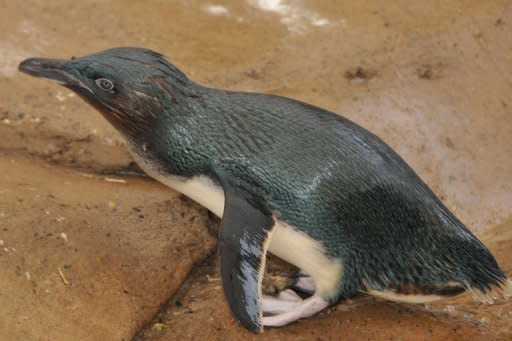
<point x="243" y="241"/>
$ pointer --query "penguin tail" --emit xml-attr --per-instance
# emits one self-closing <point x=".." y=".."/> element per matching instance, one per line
<point x="499" y="291"/>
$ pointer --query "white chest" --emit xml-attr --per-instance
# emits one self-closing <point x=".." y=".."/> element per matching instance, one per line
<point x="200" y="189"/>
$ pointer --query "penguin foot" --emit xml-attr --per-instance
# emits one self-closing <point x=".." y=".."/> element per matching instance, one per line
<point x="304" y="283"/>
<point x="306" y="308"/>
<point x="289" y="295"/>
<point x="285" y="301"/>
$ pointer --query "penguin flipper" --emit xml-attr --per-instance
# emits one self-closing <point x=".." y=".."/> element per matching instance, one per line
<point x="244" y="237"/>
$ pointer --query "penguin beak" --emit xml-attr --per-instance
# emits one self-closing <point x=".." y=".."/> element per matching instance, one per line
<point x="53" y="69"/>
<point x="45" y="68"/>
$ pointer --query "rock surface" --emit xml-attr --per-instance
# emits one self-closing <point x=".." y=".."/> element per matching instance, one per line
<point x="89" y="257"/>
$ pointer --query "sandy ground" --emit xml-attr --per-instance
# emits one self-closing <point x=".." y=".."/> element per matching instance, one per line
<point x="90" y="248"/>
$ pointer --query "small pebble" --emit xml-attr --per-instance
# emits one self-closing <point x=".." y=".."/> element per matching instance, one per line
<point x="64" y="237"/>
<point x="158" y="326"/>
<point x="449" y="308"/>
<point x="120" y="181"/>
<point x="217" y="10"/>
<point x="60" y="96"/>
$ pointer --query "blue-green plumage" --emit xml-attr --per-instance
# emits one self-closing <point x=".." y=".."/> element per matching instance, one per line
<point x="336" y="182"/>
<point x="316" y="171"/>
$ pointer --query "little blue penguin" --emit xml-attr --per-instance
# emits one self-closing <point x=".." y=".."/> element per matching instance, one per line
<point x="303" y="183"/>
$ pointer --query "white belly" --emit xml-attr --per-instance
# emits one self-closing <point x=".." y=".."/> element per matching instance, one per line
<point x="286" y="242"/>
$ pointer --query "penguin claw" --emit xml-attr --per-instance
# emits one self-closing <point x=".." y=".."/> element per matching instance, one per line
<point x="304" y="284"/>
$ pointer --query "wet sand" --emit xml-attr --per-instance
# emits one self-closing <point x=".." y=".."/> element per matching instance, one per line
<point x="93" y="249"/>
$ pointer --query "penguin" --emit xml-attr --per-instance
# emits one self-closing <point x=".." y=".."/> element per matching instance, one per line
<point x="286" y="177"/>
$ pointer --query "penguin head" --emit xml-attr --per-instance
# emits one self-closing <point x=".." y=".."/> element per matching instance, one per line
<point x="129" y="86"/>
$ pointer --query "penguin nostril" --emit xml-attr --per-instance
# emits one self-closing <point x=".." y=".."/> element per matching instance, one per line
<point x="32" y="64"/>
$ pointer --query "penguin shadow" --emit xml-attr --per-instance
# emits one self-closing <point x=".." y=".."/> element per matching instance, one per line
<point x="360" y="317"/>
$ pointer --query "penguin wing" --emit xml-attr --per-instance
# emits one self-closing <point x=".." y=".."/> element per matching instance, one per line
<point x="243" y="241"/>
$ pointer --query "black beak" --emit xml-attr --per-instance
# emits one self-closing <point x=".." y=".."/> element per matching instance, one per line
<point x="54" y="69"/>
<point x="46" y="68"/>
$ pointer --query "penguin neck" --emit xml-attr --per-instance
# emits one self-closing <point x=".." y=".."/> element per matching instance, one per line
<point x="166" y="103"/>
<point x="169" y="143"/>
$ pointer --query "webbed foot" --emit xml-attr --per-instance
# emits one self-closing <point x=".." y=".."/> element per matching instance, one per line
<point x="295" y="311"/>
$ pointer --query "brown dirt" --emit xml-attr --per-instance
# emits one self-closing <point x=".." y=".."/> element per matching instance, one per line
<point x="431" y="78"/>
<point x="86" y="257"/>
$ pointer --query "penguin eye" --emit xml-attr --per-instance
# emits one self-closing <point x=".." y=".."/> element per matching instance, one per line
<point x="105" y="84"/>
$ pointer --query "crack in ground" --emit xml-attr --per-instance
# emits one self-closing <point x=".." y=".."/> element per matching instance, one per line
<point x="66" y="151"/>
<point x="171" y="302"/>
<point x="131" y="169"/>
